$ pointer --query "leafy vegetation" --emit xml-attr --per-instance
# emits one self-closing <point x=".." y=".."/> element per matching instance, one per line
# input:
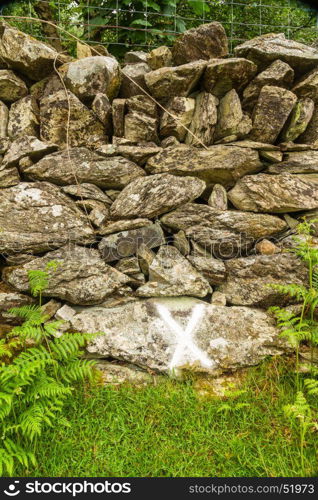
<point x="300" y="328"/>
<point x="38" y="372"/>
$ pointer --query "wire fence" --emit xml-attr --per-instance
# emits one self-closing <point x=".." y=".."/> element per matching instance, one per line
<point x="123" y="26"/>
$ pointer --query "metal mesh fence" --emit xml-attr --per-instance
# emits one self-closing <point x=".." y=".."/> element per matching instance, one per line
<point x="140" y="25"/>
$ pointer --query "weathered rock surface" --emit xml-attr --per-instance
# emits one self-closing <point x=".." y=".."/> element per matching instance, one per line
<point x="26" y="147"/>
<point x="126" y="243"/>
<point x="154" y="195"/>
<point x="248" y="279"/>
<point x="136" y="153"/>
<point x="82" y="165"/>
<point x="271" y="112"/>
<point x="223" y="75"/>
<point x="171" y="275"/>
<point x="24" y="118"/>
<point x="217" y="164"/>
<point x="137" y="333"/>
<point x="310" y="136"/>
<point x="110" y="227"/>
<point x="298" y="119"/>
<point x="298" y="162"/>
<point x="38" y="217"/>
<point x="203" y="121"/>
<point x="181" y="242"/>
<point x="213" y="270"/>
<point x="160" y="57"/>
<point x="103" y="110"/>
<point x="174" y="81"/>
<point x="119" y="106"/>
<point x="90" y="75"/>
<point x="231" y="119"/>
<point x="204" y="42"/>
<point x="26" y="54"/>
<point x="224" y="234"/>
<point x="80" y="277"/>
<point x="118" y="374"/>
<point x="87" y="191"/>
<point x="141" y="121"/>
<point x="12" y="87"/>
<point x="218" y="198"/>
<point x="9" y="176"/>
<point x="308" y="86"/>
<point x="264" y="49"/>
<point x="4" y="118"/>
<point x="181" y="109"/>
<point x="274" y="193"/>
<point x="278" y="74"/>
<point x="133" y="79"/>
<point x="84" y="128"/>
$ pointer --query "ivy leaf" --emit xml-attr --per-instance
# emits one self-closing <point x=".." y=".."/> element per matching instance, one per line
<point x="142" y="22"/>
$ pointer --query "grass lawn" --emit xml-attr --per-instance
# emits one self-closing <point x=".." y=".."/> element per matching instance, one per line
<point x="166" y="430"/>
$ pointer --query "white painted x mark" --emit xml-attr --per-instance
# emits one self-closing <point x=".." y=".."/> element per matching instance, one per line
<point x="184" y="337"/>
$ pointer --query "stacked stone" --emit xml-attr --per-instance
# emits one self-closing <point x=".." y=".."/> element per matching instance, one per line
<point x="174" y="181"/>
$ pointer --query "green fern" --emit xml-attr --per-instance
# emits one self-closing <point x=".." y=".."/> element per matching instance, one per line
<point x="39" y="379"/>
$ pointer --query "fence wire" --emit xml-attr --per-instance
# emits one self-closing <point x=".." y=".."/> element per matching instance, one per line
<point x="138" y="25"/>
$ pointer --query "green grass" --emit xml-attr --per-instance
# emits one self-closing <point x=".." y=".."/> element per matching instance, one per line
<point x="166" y="430"/>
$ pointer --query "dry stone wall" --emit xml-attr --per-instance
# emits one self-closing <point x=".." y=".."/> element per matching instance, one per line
<point x="167" y="189"/>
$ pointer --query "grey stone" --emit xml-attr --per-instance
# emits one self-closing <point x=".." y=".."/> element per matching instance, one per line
<point x="24" y="118"/>
<point x="271" y="112"/>
<point x="90" y="75"/>
<point x="133" y="79"/>
<point x="111" y="227"/>
<point x="181" y="109"/>
<point x="154" y="195"/>
<point x="38" y="217"/>
<point x="80" y="277"/>
<point x="159" y="57"/>
<point x="216" y="164"/>
<point x="137" y="333"/>
<point x="298" y="119"/>
<point x="171" y="275"/>
<point x="4" y="118"/>
<point x="218" y="198"/>
<point x="224" y="234"/>
<point x="12" y="87"/>
<point x="231" y="119"/>
<point x="204" y="120"/>
<point x="310" y="136"/>
<point x="223" y="75"/>
<point x="77" y="165"/>
<point x="181" y="242"/>
<point x="87" y="191"/>
<point x="141" y="121"/>
<point x="249" y="279"/>
<point x="274" y="193"/>
<point x="119" y="117"/>
<point x="126" y="243"/>
<point x="298" y="162"/>
<point x="26" y="147"/>
<point x="204" y="42"/>
<point x="174" y="81"/>
<point x="308" y="86"/>
<point x="213" y="270"/>
<point x="10" y="297"/>
<point x="103" y="110"/>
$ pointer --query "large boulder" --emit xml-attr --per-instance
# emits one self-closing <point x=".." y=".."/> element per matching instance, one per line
<point x="127" y="242"/>
<point x="154" y="195"/>
<point x="12" y="87"/>
<point x="202" y="126"/>
<point x="24" y="118"/>
<point x="90" y="75"/>
<point x="174" y="81"/>
<point x="37" y="217"/>
<point x="264" y="49"/>
<point x="216" y="164"/>
<point x="79" y="277"/>
<point x="204" y="42"/>
<point x="222" y="75"/>
<point x="279" y="74"/>
<point x="271" y="112"/>
<point x="248" y="279"/>
<point x="150" y="333"/>
<point x="82" y="165"/>
<point x="224" y="234"/>
<point x="275" y="193"/>
<point x="24" y="53"/>
<point x="171" y="275"/>
<point x="82" y="125"/>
